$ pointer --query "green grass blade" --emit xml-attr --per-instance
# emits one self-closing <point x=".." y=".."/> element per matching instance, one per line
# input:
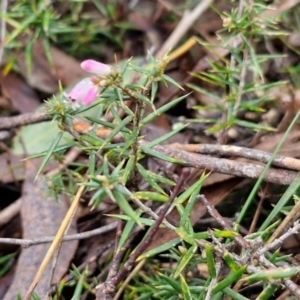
<point x="161" y="110"/>
<point x="172" y="81"/>
<point x="128" y="169"/>
<point x="127" y="230"/>
<point x="162" y="248"/>
<point x="234" y="295"/>
<point x="173" y="283"/>
<point x="124" y="205"/>
<point x="78" y="289"/>
<point x="106" y="124"/>
<point x="116" y="130"/>
<point x="262" y="175"/>
<point x="185" y="289"/>
<point x="145" y="195"/>
<point x="186" y="194"/>
<point x="279" y="273"/>
<point x="186" y="258"/>
<point x="49" y="153"/>
<point x="143" y="221"/>
<point x="166" y="136"/>
<point x="282" y="202"/>
<point x="148" y="176"/>
<point x="210" y="261"/>
<point x="231" y="278"/>
<point x="185" y="236"/>
<point x="268" y="292"/>
<point x="161" y="156"/>
<point x="191" y="202"/>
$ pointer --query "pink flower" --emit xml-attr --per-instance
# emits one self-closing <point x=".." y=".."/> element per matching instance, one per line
<point x="93" y="66"/>
<point x="90" y="96"/>
<point x="84" y="92"/>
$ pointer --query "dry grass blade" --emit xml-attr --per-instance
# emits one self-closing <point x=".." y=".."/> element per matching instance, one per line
<point x="39" y="217"/>
<point x="292" y="215"/>
<point x="183" y="26"/>
<point x="56" y="241"/>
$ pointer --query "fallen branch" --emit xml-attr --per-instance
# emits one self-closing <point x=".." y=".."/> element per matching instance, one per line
<point x="228" y="150"/>
<point x="225" y="166"/>
<point x="25" y="243"/>
<point x="24" y="119"/>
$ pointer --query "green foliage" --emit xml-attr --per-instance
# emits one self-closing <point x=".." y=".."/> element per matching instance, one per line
<point x="6" y="262"/>
<point x="115" y="168"/>
<point x="235" y="82"/>
<point x="64" y="24"/>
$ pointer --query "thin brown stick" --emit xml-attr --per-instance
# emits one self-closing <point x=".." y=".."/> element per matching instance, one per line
<point x="107" y="289"/>
<point x="257" y="211"/>
<point x="286" y="223"/>
<point x="235" y="151"/>
<point x="230" y="167"/>
<point x="128" y="265"/>
<point x="9" y="212"/>
<point x="48" y="239"/>
<point x="284" y="295"/>
<point x="24" y="119"/>
<point x="226" y="166"/>
<point x="215" y="214"/>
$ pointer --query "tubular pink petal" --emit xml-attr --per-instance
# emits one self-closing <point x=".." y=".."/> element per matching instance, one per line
<point x="79" y="91"/>
<point x="93" y="66"/>
<point x="90" y="96"/>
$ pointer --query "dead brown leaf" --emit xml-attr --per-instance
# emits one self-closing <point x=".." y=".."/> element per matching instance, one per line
<point x="12" y="167"/>
<point x="43" y="77"/>
<point x="22" y="96"/>
<point x="41" y="216"/>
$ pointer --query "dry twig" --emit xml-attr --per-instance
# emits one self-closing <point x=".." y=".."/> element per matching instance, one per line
<point x="226" y="166"/>
<point x="24" y="119"/>
<point x="215" y="214"/>
<point x="292" y="215"/>
<point x="107" y="289"/>
<point x="256" y="252"/>
<point x="25" y="243"/>
<point x="9" y="212"/>
<point x="235" y="151"/>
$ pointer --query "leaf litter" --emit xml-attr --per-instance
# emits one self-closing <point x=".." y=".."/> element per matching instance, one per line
<point x="41" y="215"/>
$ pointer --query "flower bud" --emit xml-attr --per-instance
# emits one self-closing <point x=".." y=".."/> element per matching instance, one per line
<point x="96" y="67"/>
